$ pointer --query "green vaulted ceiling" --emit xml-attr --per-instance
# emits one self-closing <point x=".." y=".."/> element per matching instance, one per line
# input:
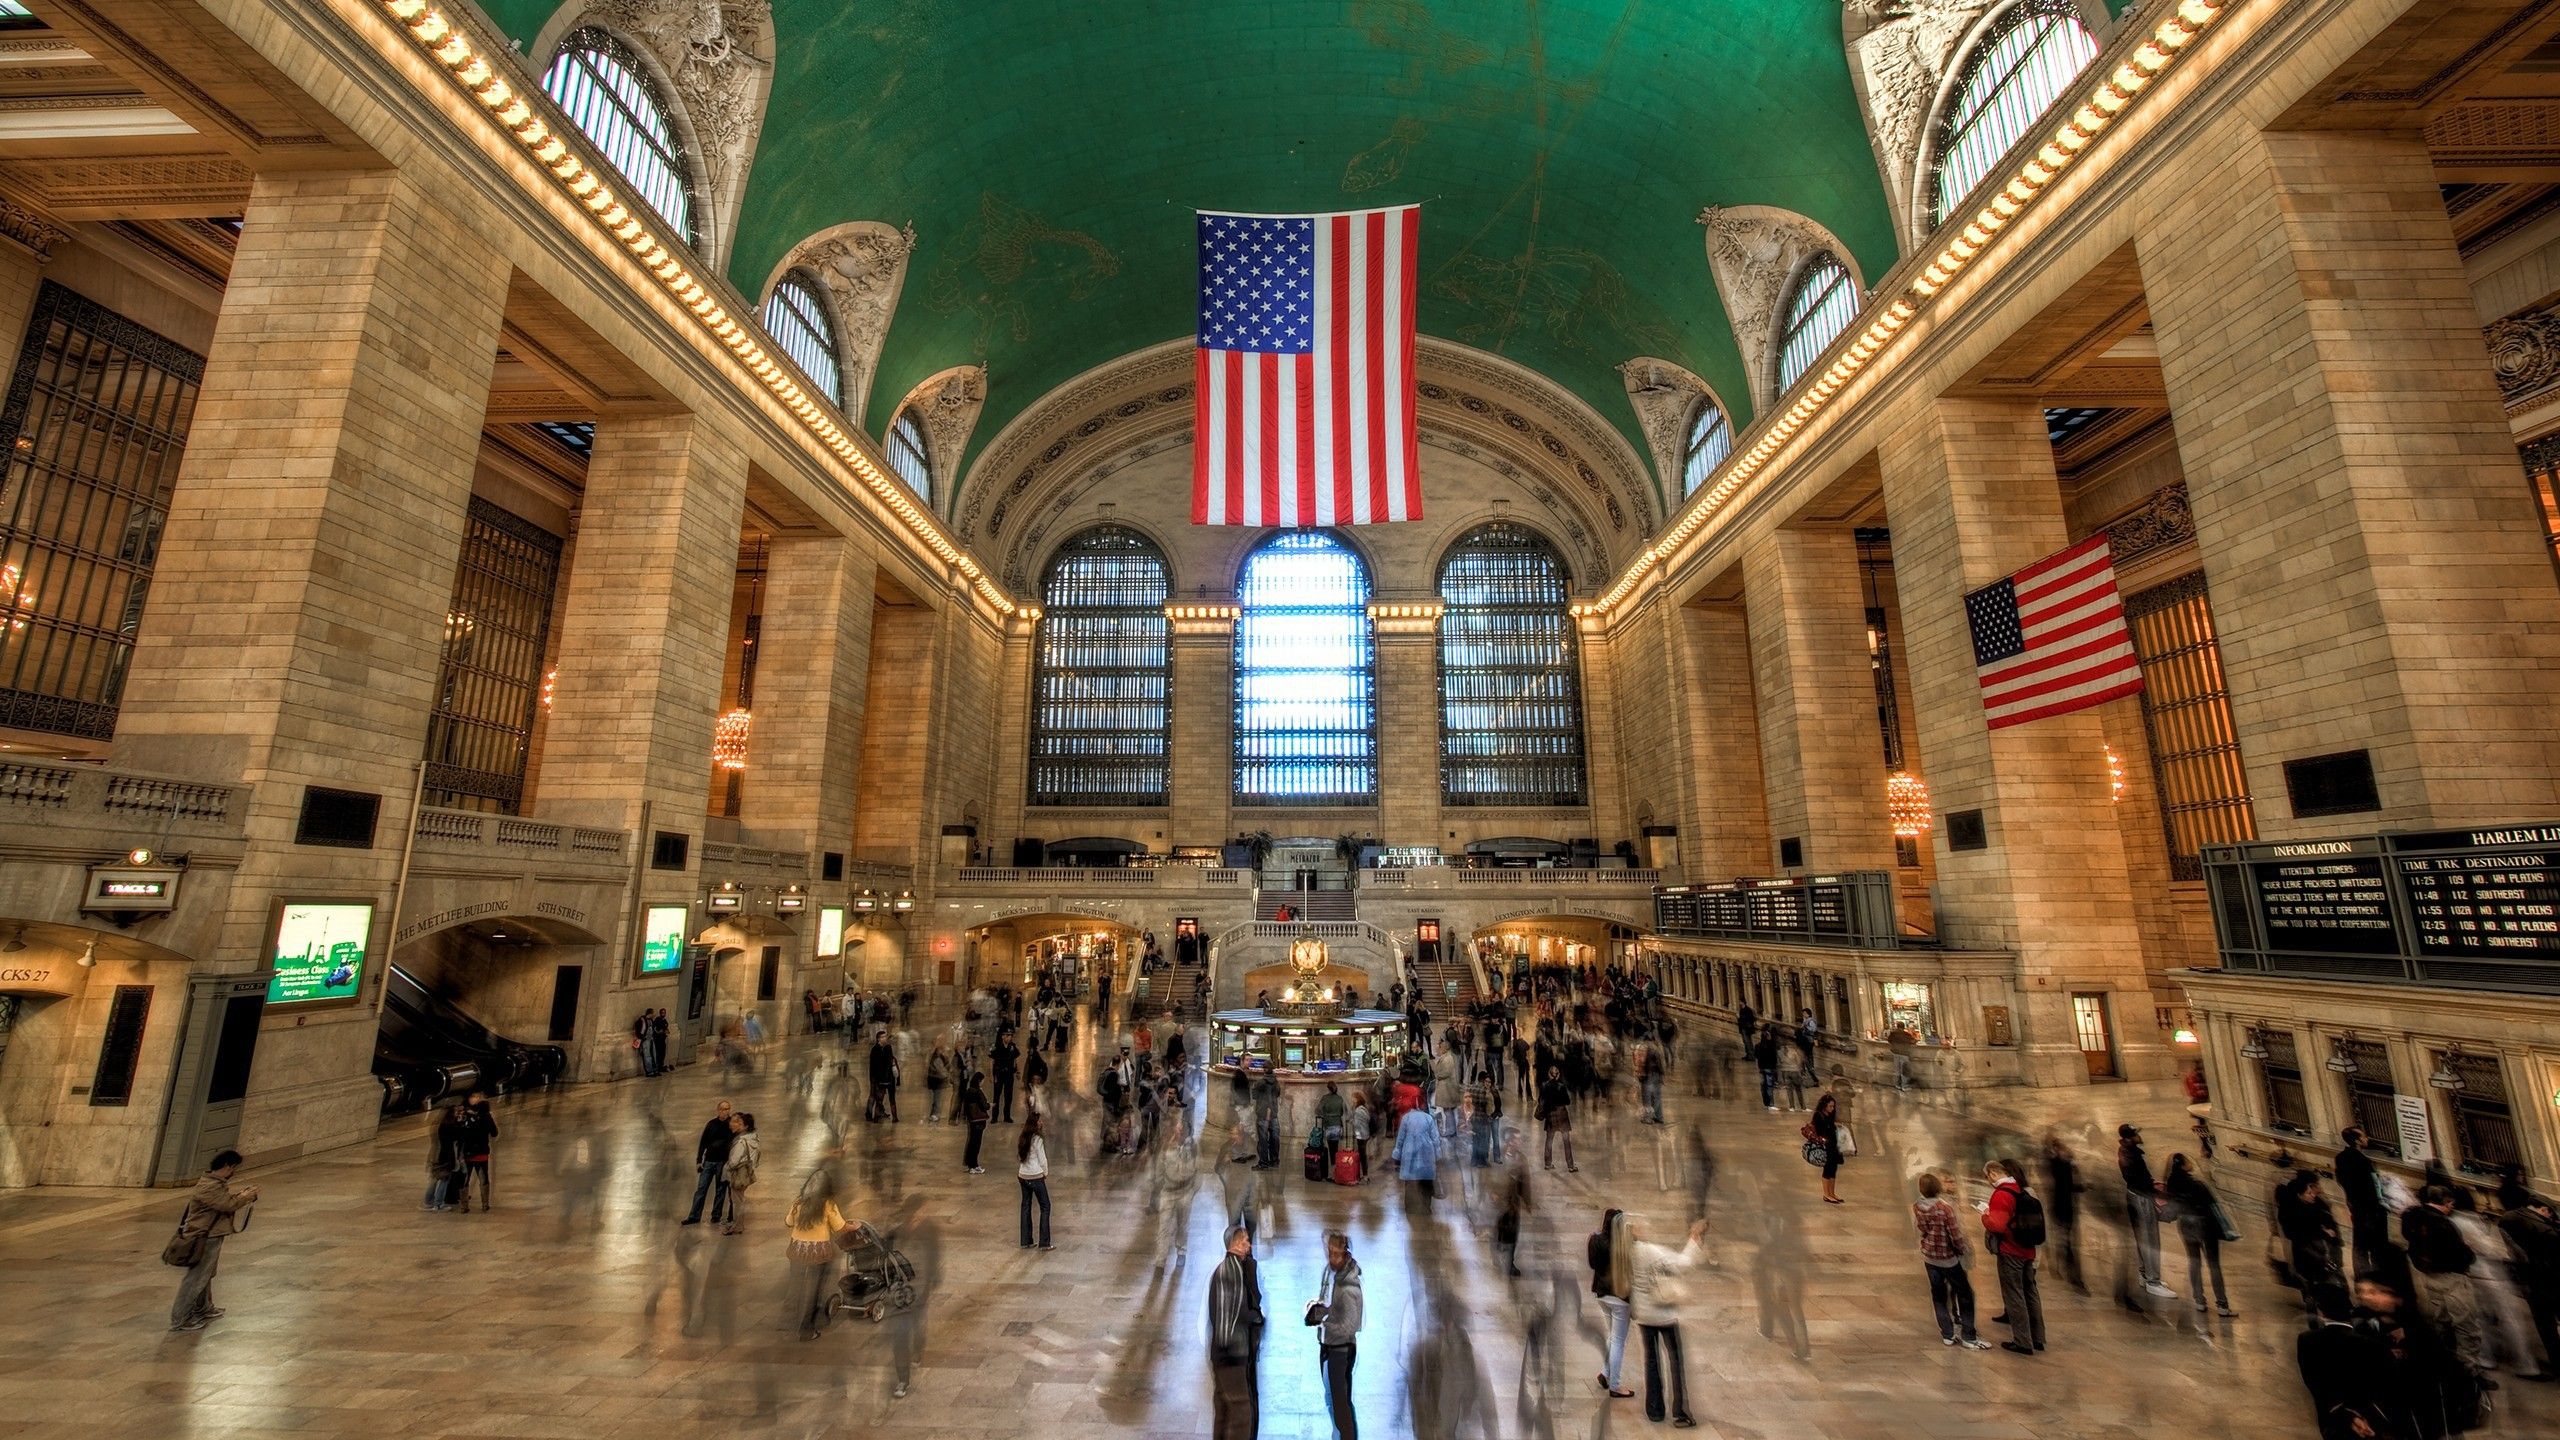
<point x="1050" y="155"/>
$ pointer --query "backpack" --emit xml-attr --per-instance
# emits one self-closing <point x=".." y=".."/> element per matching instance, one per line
<point x="2026" y="1222"/>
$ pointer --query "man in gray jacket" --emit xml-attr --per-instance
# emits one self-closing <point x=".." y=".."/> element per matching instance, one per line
<point x="1337" y="1316"/>
<point x="1235" y="1340"/>
<point x="214" y="1211"/>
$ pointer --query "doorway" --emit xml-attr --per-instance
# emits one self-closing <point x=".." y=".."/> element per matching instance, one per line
<point x="2096" y="1037"/>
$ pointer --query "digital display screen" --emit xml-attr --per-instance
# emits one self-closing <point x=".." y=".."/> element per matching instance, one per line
<point x="2326" y="905"/>
<point x="2487" y="902"/>
<point x="830" y="932"/>
<point x="662" y="939"/>
<point x="319" y="954"/>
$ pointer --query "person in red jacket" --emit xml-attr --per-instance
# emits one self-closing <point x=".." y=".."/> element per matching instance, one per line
<point x="2013" y="1223"/>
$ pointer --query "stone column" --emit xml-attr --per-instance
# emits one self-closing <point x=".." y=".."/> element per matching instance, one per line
<point x="1972" y="494"/>
<point x="1820" y="750"/>
<point x="1408" y="722"/>
<point x="1613" y="712"/>
<point x="1724" y="830"/>
<point x="891" y="812"/>
<point x="26" y="242"/>
<point x="2379" y="578"/>
<point x="1204" y="723"/>
<point x="813" y="672"/>
<point x="297" y="608"/>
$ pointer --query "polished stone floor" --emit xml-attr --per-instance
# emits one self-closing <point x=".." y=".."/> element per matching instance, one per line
<point x="581" y="1308"/>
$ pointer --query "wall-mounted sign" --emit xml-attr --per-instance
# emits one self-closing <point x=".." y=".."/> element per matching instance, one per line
<point x="319" y="951"/>
<point x="1427" y="931"/>
<point x="2417" y="1132"/>
<point x="129" y="890"/>
<point x="791" y="901"/>
<point x="662" y="930"/>
<point x="1995" y="1026"/>
<point x="830" y="931"/>
<point x="728" y="900"/>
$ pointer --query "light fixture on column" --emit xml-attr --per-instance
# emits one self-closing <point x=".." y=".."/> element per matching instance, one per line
<point x="2115" y="775"/>
<point x="2340" y="1062"/>
<point x="550" y="683"/>
<point x="20" y="601"/>
<point x="2254" y="1046"/>
<point x="17" y="941"/>
<point x="1906" y="804"/>
<point x="729" y="739"/>
<point x="89" y="958"/>
<point x="2444" y="1076"/>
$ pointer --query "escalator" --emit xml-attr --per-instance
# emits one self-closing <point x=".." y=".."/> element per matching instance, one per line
<point x="429" y="1050"/>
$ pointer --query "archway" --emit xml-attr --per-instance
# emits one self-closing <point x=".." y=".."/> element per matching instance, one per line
<point x="494" y="1003"/>
<point x="89" y="1024"/>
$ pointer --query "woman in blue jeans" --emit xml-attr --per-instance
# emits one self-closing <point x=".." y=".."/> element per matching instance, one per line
<point x="1611" y="1251"/>
<point x="1033" y="1175"/>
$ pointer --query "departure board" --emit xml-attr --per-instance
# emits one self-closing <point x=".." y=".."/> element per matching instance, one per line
<point x="2328" y="903"/>
<point x="2476" y="893"/>
<point x="1830" y="902"/>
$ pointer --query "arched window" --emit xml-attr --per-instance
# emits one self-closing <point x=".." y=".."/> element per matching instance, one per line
<point x="1510" y="700"/>
<point x="604" y="89"/>
<point x="1710" y="441"/>
<point x="797" y="322"/>
<point x="1099" y="709"/>
<point x="1306" y="676"/>
<point x="1824" y="302"/>
<point x="907" y="454"/>
<point x="2029" y="57"/>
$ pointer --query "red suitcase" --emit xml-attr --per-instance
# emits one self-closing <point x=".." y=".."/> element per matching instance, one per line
<point x="1346" y="1167"/>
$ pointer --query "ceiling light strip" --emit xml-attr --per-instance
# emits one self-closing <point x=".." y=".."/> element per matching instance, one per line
<point x="538" y="128"/>
<point x="2098" y="109"/>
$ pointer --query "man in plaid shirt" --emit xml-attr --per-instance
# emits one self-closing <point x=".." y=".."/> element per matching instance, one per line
<point x="1944" y="1251"/>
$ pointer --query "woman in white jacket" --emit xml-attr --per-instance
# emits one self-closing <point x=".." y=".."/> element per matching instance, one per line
<point x="745" y="1151"/>
<point x="1655" y="1301"/>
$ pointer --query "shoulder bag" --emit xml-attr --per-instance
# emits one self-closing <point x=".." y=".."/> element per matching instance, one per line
<point x="184" y="1248"/>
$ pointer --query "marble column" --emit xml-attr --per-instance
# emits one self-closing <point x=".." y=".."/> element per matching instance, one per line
<point x="1408" y="722"/>
<point x="297" y="613"/>
<point x="813" y="673"/>
<point x="1821" y="753"/>
<point x="1725" y="825"/>
<point x="1204" y="719"/>
<point x="1972" y="495"/>
<point x="2380" y="580"/>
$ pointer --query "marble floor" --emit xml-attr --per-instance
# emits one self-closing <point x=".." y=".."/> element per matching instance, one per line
<point x="580" y="1307"/>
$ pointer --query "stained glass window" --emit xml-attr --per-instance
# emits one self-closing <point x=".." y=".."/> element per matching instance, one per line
<point x="604" y="89"/>
<point x="1101" y="689"/>
<point x="2031" y="55"/>
<point x="1306" y="676"/>
<point x="797" y="321"/>
<point x="1510" y="697"/>
<point x="907" y="453"/>
<point x="1710" y="441"/>
<point x="1824" y="302"/>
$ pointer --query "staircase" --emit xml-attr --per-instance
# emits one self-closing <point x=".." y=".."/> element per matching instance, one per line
<point x="1334" y="905"/>
<point x="1435" y="976"/>
<point x="1169" y="993"/>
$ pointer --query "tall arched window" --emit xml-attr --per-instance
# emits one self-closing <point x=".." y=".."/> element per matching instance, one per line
<point x="907" y="453"/>
<point x="1824" y="302"/>
<point x="797" y="321"/>
<point x="1710" y="441"/>
<point x="1510" y="700"/>
<point x="1099" y="708"/>
<point x="2030" y="56"/>
<point x="605" y="90"/>
<point x="1306" y="675"/>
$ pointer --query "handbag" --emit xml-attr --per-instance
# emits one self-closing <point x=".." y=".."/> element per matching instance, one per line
<point x="1848" y="1141"/>
<point x="1816" y="1153"/>
<point x="183" y="1249"/>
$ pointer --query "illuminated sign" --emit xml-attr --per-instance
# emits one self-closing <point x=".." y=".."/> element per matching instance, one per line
<point x="791" y="900"/>
<point x="662" y="939"/>
<point x="319" y="952"/>
<point x="127" y="889"/>
<point x="830" y="931"/>
<point x="728" y="900"/>
<point x="1427" y="931"/>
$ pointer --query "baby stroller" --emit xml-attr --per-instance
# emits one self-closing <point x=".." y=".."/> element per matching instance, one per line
<point x="878" y="1280"/>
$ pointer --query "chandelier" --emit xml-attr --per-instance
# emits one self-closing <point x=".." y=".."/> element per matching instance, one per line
<point x="729" y="739"/>
<point x="1906" y="804"/>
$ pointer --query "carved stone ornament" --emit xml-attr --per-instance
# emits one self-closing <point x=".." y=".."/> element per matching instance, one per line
<point x="861" y="267"/>
<point x="717" y="55"/>
<point x="28" y="228"/>
<point x="1902" y="61"/>
<point x="2163" y="520"/>
<point x="2524" y="349"/>
<point x="948" y="405"/>
<point x="1666" y="399"/>
<point x="1754" y="251"/>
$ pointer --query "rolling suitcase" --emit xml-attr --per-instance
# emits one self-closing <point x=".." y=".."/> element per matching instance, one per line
<point x="1346" y="1167"/>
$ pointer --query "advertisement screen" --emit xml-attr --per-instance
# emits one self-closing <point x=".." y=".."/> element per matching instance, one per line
<point x="662" y="939"/>
<point x="830" y="932"/>
<point x="319" y="953"/>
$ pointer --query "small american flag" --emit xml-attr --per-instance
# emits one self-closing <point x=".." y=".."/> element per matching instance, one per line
<point x="1304" y="413"/>
<point x="2051" y="639"/>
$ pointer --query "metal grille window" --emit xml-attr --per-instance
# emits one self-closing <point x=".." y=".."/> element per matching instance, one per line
<point x="97" y="415"/>
<point x="797" y="321"/>
<point x="1102" y="685"/>
<point x="2186" y="714"/>
<point x="2031" y="55"/>
<point x="1306" y="675"/>
<point x="2280" y="1075"/>
<point x="1710" y="441"/>
<point x="2371" y="1099"/>
<point x="1825" y="300"/>
<point x="2542" y="468"/>
<point x="1510" y="698"/>
<point x="2484" y="1126"/>
<point x="907" y="453"/>
<point x="496" y="632"/>
<point x="602" y="85"/>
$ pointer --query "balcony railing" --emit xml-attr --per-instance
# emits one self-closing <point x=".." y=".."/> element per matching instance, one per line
<point x="1099" y="876"/>
<point x="1451" y="878"/>
<point x="506" y="834"/>
<point x="721" y="855"/>
<point x="130" y="802"/>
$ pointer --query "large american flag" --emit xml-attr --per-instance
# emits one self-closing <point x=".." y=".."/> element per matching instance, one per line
<point x="1305" y="370"/>
<point x="2051" y="639"/>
